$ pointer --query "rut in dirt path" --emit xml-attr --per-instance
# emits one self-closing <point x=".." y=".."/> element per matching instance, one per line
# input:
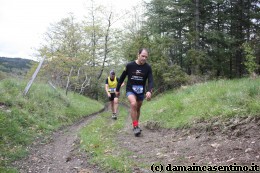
<point x="61" y="154"/>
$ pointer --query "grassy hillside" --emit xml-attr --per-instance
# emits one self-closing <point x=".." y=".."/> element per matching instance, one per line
<point x="23" y="119"/>
<point x="175" y="109"/>
<point x="223" y="98"/>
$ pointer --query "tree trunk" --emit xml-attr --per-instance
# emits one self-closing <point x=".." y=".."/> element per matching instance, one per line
<point x="68" y="81"/>
<point x="197" y="20"/>
<point x="105" y="46"/>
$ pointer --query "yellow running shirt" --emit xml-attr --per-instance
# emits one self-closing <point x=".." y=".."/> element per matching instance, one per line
<point x="112" y="85"/>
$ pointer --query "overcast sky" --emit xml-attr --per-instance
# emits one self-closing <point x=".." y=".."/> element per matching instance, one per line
<point x="23" y="22"/>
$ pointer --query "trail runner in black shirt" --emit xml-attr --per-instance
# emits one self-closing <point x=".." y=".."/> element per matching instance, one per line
<point x="138" y="72"/>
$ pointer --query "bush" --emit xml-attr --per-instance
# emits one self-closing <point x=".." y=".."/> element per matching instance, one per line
<point x="168" y="77"/>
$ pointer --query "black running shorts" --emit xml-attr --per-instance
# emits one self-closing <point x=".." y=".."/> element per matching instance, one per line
<point x="113" y="95"/>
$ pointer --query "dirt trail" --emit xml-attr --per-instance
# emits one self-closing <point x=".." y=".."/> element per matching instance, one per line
<point x="60" y="154"/>
<point x="217" y="142"/>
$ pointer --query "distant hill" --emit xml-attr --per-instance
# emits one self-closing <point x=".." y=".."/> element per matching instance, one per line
<point x="15" y="65"/>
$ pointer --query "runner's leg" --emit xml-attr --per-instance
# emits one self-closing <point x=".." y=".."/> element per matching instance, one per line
<point x="138" y="109"/>
<point x="133" y="106"/>
<point x="134" y="114"/>
<point x="112" y="106"/>
<point x="115" y="105"/>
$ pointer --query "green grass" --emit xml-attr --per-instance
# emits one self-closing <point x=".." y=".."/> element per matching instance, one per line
<point x="99" y="139"/>
<point x="174" y="109"/>
<point x="223" y="98"/>
<point x="44" y="110"/>
<point x="41" y="111"/>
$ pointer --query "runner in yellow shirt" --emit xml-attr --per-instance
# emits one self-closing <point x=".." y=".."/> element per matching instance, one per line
<point x="111" y="83"/>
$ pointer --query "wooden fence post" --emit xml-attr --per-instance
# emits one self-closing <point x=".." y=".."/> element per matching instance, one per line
<point x="33" y="77"/>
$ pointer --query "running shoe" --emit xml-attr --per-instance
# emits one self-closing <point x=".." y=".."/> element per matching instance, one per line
<point x="114" y="116"/>
<point x="137" y="131"/>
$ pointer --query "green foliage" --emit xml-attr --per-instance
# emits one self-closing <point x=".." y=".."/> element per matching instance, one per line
<point x="196" y="59"/>
<point x="171" y="77"/>
<point x="24" y="119"/>
<point x="166" y="74"/>
<point x="8" y="170"/>
<point x="79" y="51"/>
<point x="175" y="77"/>
<point x="206" y="43"/>
<point x="250" y="61"/>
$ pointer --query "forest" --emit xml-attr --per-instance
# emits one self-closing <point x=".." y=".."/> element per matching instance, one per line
<point x="189" y="41"/>
<point x="14" y="66"/>
<point x="215" y="43"/>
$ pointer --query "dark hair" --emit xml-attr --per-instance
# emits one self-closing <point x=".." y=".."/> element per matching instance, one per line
<point x="140" y="50"/>
<point x="112" y="72"/>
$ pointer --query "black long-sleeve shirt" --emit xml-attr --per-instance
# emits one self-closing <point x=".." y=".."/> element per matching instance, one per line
<point x="137" y="76"/>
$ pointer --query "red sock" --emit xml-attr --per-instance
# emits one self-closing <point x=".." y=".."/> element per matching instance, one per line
<point x="135" y="123"/>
